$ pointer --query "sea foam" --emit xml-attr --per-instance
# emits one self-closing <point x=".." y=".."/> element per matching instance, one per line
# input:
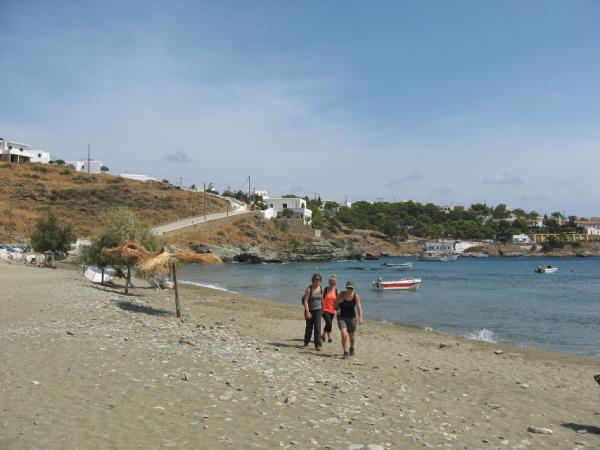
<point x="206" y="285"/>
<point x="483" y="335"/>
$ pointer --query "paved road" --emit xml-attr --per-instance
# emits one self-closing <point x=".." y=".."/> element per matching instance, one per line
<point x="191" y="221"/>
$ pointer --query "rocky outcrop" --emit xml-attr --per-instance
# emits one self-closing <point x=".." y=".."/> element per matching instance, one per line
<point x="322" y="250"/>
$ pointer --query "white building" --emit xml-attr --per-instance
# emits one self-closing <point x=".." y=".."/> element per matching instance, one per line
<point x="263" y="194"/>
<point x="81" y="166"/>
<point x="592" y="226"/>
<point x="439" y="246"/>
<point x="521" y="239"/>
<point x="11" y="151"/>
<point x="133" y="176"/>
<point x="536" y="223"/>
<point x="276" y="207"/>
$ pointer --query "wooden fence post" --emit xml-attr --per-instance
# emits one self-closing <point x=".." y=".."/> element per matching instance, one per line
<point x="177" y="305"/>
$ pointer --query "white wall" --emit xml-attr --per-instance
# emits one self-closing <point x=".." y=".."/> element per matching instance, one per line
<point x="81" y="166"/>
<point x="279" y="204"/>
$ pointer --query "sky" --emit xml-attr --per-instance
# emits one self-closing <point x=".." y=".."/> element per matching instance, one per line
<point x="432" y="101"/>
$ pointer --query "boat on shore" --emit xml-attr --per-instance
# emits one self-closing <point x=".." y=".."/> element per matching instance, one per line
<point x="547" y="269"/>
<point x="399" y="266"/>
<point x="99" y="274"/>
<point x="402" y="284"/>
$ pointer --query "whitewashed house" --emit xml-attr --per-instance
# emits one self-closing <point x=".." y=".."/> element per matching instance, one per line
<point x="440" y="246"/>
<point x="16" y="152"/>
<point x="82" y="166"/>
<point x="263" y="194"/>
<point x="277" y="205"/>
<point x="592" y="226"/>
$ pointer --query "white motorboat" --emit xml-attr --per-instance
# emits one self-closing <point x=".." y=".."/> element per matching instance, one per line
<point x="403" y="284"/>
<point x="547" y="269"/>
<point x="399" y="266"/>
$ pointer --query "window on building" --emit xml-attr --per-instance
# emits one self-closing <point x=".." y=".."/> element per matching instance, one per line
<point x="270" y="205"/>
<point x="285" y="205"/>
<point x="39" y="155"/>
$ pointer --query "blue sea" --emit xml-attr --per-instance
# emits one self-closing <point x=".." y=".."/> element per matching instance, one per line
<point x="491" y="299"/>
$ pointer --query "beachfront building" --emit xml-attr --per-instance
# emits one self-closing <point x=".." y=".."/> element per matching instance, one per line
<point x="17" y="152"/>
<point x="95" y="166"/>
<point x="592" y="226"/>
<point x="292" y="208"/>
<point x="439" y="246"/>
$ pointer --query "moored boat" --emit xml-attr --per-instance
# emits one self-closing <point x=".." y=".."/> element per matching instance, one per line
<point x="402" y="284"/>
<point x="547" y="269"/>
<point x="400" y="266"/>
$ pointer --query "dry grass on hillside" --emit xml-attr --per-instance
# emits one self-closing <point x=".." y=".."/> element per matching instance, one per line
<point x="245" y="230"/>
<point x="82" y="200"/>
<point x="273" y="234"/>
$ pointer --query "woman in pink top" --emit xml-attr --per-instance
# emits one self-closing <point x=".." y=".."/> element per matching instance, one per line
<point x="329" y="297"/>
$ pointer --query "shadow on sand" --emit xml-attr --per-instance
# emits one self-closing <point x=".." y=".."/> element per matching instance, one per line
<point x="591" y="429"/>
<point x="143" y="309"/>
<point x="117" y="289"/>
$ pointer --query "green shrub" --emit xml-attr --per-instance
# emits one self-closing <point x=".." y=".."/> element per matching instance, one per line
<point x="49" y="235"/>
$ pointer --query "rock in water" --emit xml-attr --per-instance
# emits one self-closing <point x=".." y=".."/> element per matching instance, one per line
<point x="539" y="430"/>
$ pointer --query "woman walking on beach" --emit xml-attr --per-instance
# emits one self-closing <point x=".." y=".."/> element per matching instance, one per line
<point x="330" y="295"/>
<point x="313" y="308"/>
<point x="348" y="303"/>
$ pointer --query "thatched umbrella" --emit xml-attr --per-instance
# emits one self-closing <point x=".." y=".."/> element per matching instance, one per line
<point x="131" y="252"/>
<point x="166" y="262"/>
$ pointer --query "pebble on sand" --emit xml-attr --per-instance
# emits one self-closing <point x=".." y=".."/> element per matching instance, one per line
<point x="539" y="430"/>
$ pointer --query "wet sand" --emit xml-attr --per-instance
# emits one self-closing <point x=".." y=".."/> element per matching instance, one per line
<point x="84" y="366"/>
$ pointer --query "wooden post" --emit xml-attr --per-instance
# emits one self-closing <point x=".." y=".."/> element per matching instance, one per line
<point x="102" y="282"/>
<point x="127" y="280"/>
<point x="177" y="304"/>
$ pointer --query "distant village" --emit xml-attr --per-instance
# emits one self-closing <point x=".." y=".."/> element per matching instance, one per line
<point x="291" y="207"/>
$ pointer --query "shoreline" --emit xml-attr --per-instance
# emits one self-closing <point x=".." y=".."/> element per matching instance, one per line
<point x="125" y="373"/>
<point x="446" y="334"/>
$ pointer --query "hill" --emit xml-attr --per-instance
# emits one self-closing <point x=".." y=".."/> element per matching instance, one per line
<point x="255" y="239"/>
<point x="81" y="200"/>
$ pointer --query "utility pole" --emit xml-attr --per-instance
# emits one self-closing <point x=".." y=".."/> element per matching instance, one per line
<point x="249" y="201"/>
<point x="88" y="160"/>
<point x="205" y="200"/>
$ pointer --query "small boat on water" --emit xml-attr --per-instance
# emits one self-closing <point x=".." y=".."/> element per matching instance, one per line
<point x="399" y="266"/>
<point x="403" y="284"/>
<point x="547" y="269"/>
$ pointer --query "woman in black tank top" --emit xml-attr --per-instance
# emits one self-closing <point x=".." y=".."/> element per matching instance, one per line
<point x="348" y="305"/>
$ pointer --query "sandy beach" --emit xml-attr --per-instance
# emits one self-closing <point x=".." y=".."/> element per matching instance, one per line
<point x="84" y="366"/>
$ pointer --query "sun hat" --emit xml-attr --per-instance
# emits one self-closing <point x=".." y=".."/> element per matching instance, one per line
<point x="349" y="284"/>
